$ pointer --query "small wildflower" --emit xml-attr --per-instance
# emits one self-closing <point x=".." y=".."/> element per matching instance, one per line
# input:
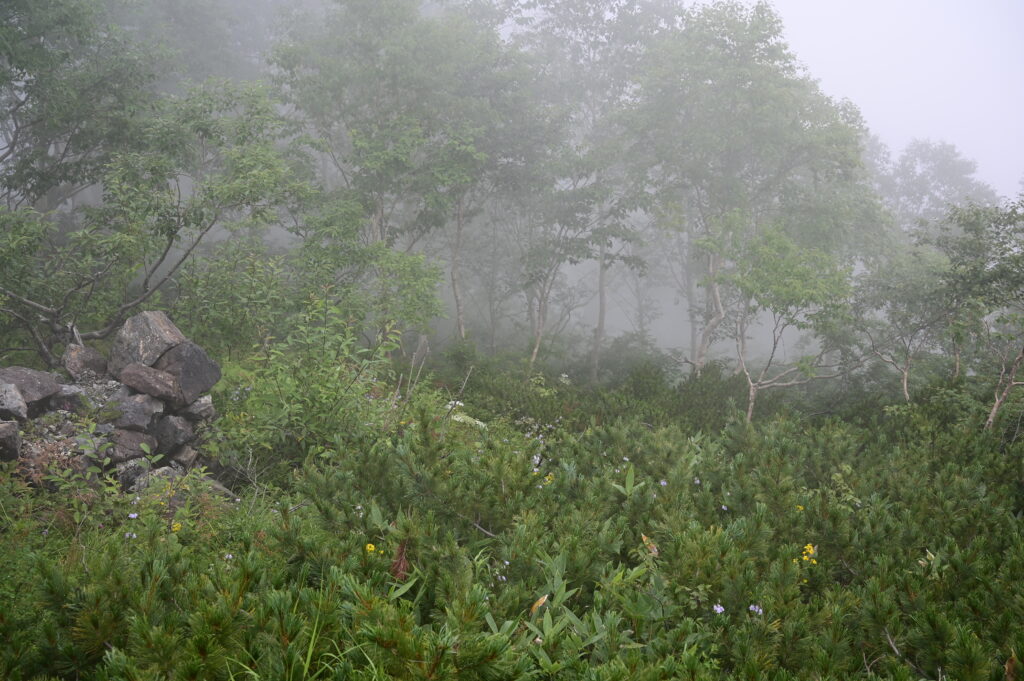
<point x="176" y="526"/>
<point x="229" y="556"/>
<point x="133" y="516"/>
<point x="46" y="532"/>
<point x="756" y="609"/>
<point x="663" y="483"/>
<point x="625" y="458"/>
<point x="696" y="481"/>
<point x="799" y="507"/>
<point x="724" y="507"/>
<point x="370" y="548"/>
<point x="549" y="478"/>
<point x="130" y="535"/>
<point x="718" y="608"/>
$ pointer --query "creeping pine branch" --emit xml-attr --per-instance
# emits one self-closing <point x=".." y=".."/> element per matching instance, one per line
<point x="901" y="656"/>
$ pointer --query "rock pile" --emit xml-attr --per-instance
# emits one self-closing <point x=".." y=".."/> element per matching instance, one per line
<point x="147" y="399"/>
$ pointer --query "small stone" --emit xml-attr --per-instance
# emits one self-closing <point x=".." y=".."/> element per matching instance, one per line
<point x="128" y="445"/>
<point x="143" y="339"/>
<point x="154" y="382"/>
<point x="83" y="362"/>
<point x="172" y="432"/>
<point x="200" y="410"/>
<point x="137" y="412"/>
<point x="10" y="441"/>
<point x="195" y="371"/>
<point x="12" y="404"/>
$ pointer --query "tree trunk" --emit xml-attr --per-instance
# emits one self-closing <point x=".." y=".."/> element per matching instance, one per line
<point x="751" y="399"/>
<point x="460" y="318"/>
<point x="539" y="320"/>
<point x="602" y="304"/>
<point x="1007" y="385"/>
<point x="716" y="312"/>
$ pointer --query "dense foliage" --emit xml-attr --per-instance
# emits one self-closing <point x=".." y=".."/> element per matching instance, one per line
<point x="385" y="534"/>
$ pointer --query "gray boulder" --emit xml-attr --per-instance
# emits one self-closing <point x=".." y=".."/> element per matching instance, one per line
<point x="195" y="371"/>
<point x="156" y="475"/>
<point x="10" y="441"/>
<point x="34" y="386"/>
<point x="185" y="456"/>
<point x="137" y="412"/>
<point x="83" y="362"/>
<point x="172" y="432"/>
<point x="70" y="398"/>
<point x="143" y="339"/>
<point x="12" y="404"/>
<point x="154" y="382"/>
<point x="128" y="445"/>
<point x="200" y="410"/>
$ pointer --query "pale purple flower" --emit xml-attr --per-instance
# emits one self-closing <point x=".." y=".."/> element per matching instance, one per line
<point x="663" y="483"/>
<point x="130" y="535"/>
<point x="133" y="516"/>
<point x="718" y="608"/>
<point x="756" y="609"/>
<point x="229" y="556"/>
<point x="724" y="507"/>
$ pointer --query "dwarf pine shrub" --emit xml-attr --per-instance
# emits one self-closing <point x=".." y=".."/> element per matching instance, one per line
<point x="398" y="542"/>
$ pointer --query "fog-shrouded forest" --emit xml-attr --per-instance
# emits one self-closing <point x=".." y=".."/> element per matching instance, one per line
<point x="582" y="339"/>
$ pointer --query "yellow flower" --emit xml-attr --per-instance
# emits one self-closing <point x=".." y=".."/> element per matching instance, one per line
<point x="370" y="548"/>
<point x="799" y="507"/>
<point x="175" y="526"/>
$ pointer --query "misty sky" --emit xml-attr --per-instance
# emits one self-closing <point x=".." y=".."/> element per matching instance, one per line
<point x="938" y="69"/>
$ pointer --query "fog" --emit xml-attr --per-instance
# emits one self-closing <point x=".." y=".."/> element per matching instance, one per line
<point x="574" y="184"/>
<point x="933" y="69"/>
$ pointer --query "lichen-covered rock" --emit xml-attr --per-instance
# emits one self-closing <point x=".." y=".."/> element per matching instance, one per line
<point x="137" y="412"/>
<point x="172" y="432"/>
<point x="195" y="371"/>
<point x="12" y="404"/>
<point x="185" y="456"/>
<point x="128" y="445"/>
<point x="150" y="477"/>
<point x="153" y="382"/>
<point x="70" y="398"/>
<point x="83" y="362"/>
<point x="34" y="386"/>
<point x="10" y="440"/>
<point x="143" y="339"/>
<point x="128" y="472"/>
<point x="200" y="410"/>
